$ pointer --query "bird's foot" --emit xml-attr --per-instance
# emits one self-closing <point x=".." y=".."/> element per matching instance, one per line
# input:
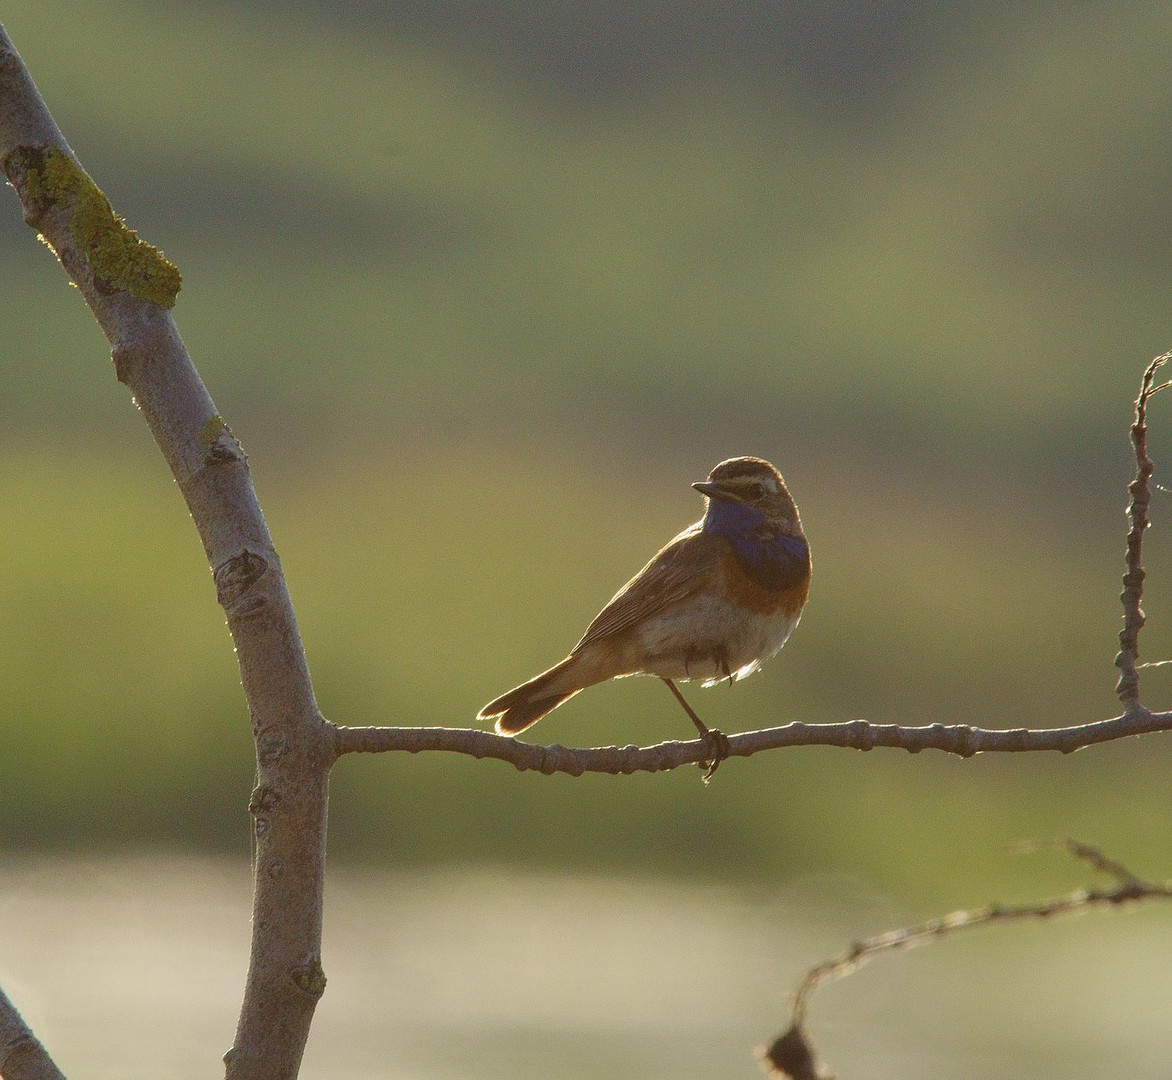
<point x="716" y="743"/>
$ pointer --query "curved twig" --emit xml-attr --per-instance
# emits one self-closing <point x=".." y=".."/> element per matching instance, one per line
<point x="791" y="1054"/>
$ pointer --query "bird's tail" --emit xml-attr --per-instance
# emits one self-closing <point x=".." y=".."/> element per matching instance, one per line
<point x="523" y="706"/>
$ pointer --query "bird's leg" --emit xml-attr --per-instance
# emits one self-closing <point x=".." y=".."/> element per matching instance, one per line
<point x="716" y="741"/>
<point x="704" y="729"/>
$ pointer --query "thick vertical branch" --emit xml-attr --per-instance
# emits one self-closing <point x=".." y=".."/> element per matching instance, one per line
<point x="22" y="1057"/>
<point x="129" y="286"/>
<point x="1137" y="517"/>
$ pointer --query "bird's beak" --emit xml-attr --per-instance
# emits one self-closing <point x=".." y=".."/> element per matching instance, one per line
<point x="713" y="491"/>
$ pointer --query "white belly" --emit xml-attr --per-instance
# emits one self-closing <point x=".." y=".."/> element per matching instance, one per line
<point x="688" y="640"/>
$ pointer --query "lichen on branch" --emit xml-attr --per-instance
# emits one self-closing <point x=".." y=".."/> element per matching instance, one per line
<point x="117" y="258"/>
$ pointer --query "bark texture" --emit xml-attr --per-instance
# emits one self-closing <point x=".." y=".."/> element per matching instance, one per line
<point x="130" y="287"/>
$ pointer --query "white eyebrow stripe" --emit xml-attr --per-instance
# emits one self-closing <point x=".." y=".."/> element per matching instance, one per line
<point x="745" y="481"/>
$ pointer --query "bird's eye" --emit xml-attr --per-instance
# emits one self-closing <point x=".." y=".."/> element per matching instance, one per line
<point x="755" y="492"/>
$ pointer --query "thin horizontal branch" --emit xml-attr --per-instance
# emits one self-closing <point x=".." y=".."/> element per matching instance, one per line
<point x="960" y="739"/>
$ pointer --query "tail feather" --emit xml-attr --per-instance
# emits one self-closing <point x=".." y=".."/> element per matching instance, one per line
<point x="524" y="705"/>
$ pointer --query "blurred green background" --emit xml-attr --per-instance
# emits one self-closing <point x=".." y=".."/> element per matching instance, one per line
<point x="482" y="289"/>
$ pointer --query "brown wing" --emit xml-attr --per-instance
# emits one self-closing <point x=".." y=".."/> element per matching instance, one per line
<point x="676" y="572"/>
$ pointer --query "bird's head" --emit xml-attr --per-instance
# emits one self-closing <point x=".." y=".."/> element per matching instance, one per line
<point x="753" y="482"/>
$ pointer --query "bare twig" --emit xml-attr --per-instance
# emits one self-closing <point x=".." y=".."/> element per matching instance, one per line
<point x="130" y="286"/>
<point x="1089" y="854"/>
<point x="960" y="739"/>
<point x="1137" y="517"/>
<point x="792" y="1054"/>
<point x="22" y="1057"/>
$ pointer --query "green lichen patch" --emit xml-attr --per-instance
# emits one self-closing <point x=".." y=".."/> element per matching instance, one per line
<point x="120" y="261"/>
<point x="216" y="450"/>
<point x="23" y="166"/>
<point x="311" y="980"/>
<point x="211" y="429"/>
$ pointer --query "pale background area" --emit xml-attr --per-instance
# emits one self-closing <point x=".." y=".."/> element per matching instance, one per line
<point x="132" y="970"/>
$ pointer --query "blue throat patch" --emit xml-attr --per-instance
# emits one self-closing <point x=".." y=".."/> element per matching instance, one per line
<point x="778" y="561"/>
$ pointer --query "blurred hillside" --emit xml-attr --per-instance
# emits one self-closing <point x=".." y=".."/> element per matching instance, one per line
<point x="481" y="295"/>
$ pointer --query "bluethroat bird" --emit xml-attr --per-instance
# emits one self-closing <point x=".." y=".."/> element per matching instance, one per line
<point x="713" y="604"/>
